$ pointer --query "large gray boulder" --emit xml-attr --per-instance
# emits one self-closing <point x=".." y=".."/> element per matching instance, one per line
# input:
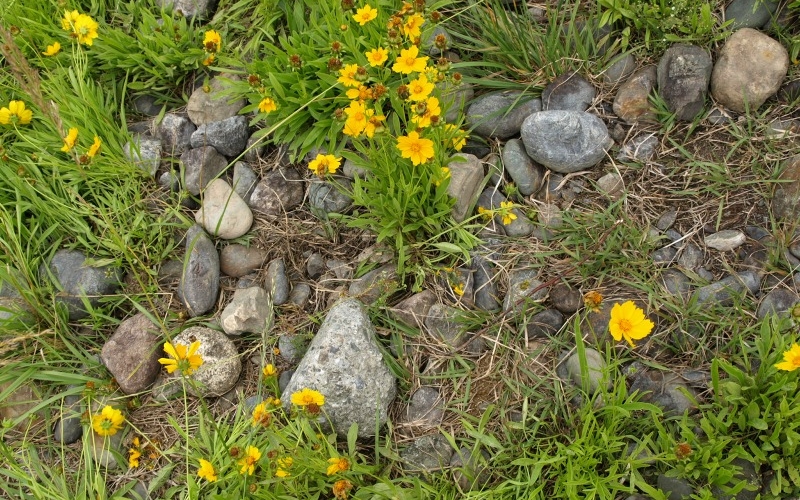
<point x="683" y="75"/>
<point x="500" y="114"/>
<point x="565" y="141"/>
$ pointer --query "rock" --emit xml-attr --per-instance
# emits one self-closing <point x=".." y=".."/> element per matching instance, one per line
<point x="724" y="290"/>
<point x="569" y="370"/>
<point x="280" y="191"/>
<point x="725" y="240"/>
<point x="466" y="175"/>
<point x="244" y="180"/>
<point x="293" y="346"/>
<point x="326" y="197"/>
<point x="565" y="141"/>
<point x="351" y="169"/>
<point x="675" y="488"/>
<point x="778" y="301"/>
<point x="68" y="428"/>
<point x="199" y="286"/>
<point x="147" y="105"/>
<point x="683" y="75"/>
<point x="527" y="175"/>
<point x="145" y="153"/>
<point x="427" y="454"/>
<point x="200" y="166"/>
<point x="756" y="232"/>
<point x="544" y="324"/>
<point x="718" y="116"/>
<point x="175" y="132"/>
<point x="345" y="364"/>
<point x="238" y="260"/>
<point x="667" y="391"/>
<point x="228" y="136"/>
<point x="300" y="294"/>
<point x="18" y="402"/>
<point x="486" y="297"/>
<point x="104" y="450"/>
<point x="208" y="104"/>
<point x="489" y="115"/>
<point x="549" y="216"/>
<point x="568" y="91"/>
<point x="621" y="68"/>
<point x="426" y="408"/>
<point x="667" y="219"/>
<point x="454" y="99"/>
<point x="442" y="324"/>
<point x="170" y="180"/>
<point x="640" y="148"/>
<point x="77" y="280"/>
<point x="376" y="283"/>
<point x="170" y="269"/>
<point x="315" y="266"/>
<point x="749" y="13"/>
<point x="250" y="310"/>
<point x="223" y="213"/>
<point x="787" y="193"/>
<point x="471" y="472"/>
<point x="221" y="364"/>
<point x="565" y="298"/>
<point x="692" y="256"/>
<point x="521" y="284"/>
<point x="675" y="282"/>
<point x="665" y="255"/>
<point x="414" y="310"/>
<point x="611" y="184"/>
<point x="277" y="282"/>
<point x="131" y="354"/>
<point x="632" y="100"/>
<point x="750" y="68"/>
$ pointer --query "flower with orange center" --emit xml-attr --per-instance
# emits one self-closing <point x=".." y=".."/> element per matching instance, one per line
<point x="212" y="41"/>
<point x="206" y="471"/>
<point x="283" y="466"/>
<point x="416" y="148"/>
<point x="324" y="164"/>
<point x="337" y="465"/>
<point x="362" y="93"/>
<point x="261" y="416"/>
<point x="432" y="109"/>
<point x="408" y="62"/>
<point x="374" y="125"/>
<point x="791" y="359"/>
<point x="187" y="361"/>
<point x="357" y="116"/>
<point x="376" y="57"/>
<point x="411" y="28"/>
<point x="593" y="300"/>
<point x="347" y="75"/>
<point x="420" y="88"/>
<point x="365" y="14"/>
<point x="249" y="461"/>
<point x="341" y="488"/>
<point x="306" y="397"/>
<point x="108" y="422"/>
<point x="629" y="322"/>
<point x="70" y="140"/>
<point x="267" y="105"/>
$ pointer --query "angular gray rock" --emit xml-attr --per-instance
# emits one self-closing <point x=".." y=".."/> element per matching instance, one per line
<point x="280" y="191"/>
<point x="223" y="213"/>
<point x="490" y="199"/>
<point x="293" y="346"/>
<point x="208" y="104"/>
<point x="621" y="68"/>
<point x="427" y="454"/>
<point x="544" y="324"/>
<point x="632" y="100"/>
<point x="413" y="311"/>
<point x="131" y="354"/>
<point x="200" y="9"/>
<point x="484" y="284"/>
<point x="750" y="68"/>
<point x="565" y="141"/>
<point x="244" y="180"/>
<point x="249" y="311"/>
<point x="345" y="364"/>
<point x="568" y="91"/>
<point x="374" y="284"/>
<point x="683" y="75"/>
<point x="527" y="175"/>
<point x="779" y="301"/>
<point x="175" y="132"/>
<point x="237" y="260"/>
<point x="465" y="181"/>
<point x="442" y="324"/>
<point x="426" y="408"/>
<point x="326" y="196"/>
<point x="144" y="152"/>
<point x="221" y="363"/>
<point x="228" y="136"/>
<point x="500" y="114"/>
<point x="724" y="290"/>
<point x="199" y="285"/>
<point x="640" y="148"/>
<point x="200" y="166"/>
<point x="68" y="428"/>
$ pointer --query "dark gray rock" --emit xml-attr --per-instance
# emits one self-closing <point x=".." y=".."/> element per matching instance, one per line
<point x="426" y="408"/>
<point x="484" y="284"/>
<point x="442" y="324"/>
<point x="454" y="99"/>
<point x="667" y="219"/>
<point x="170" y="180"/>
<point x="565" y="141"/>
<point x="665" y="255"/>
<point x="750" y="13"/>
<point x="200" y="166"/>
<point x="632" y="100"/>
<point x="778" y="301"/>
<point x="300" y="294"/>
<point x="147" y="105"/>
<point x="277" y="282"/>
<point x="68" y="428"/>
<point x="293" y="346"/>
<point x="221" y="363"/>
<point x="665" y="390"/>
<point x="326" y="197"/>
<point x="675" y="282"/>
<point x="466" y="174"/>
<point x="684" y="72"/>
<point x="427" y="454"/>
<point x="471" y="469"/>
<point x="75" y="279"/>
<point x="692" y="256"/>
<point x="255" y="149"/>
<point x="131" y="354"/>
<point x="674" y="487"/>
<point x="201" y="9"/>
<point x="199" y="286"/>
<point x="526" y="174"/>
<point x="787" y="193"/>
<point x="500" y="114"/>
<point x="238" y="260"/>
<point x="208" y="103"/>
<point x="228" y="136"/>
<point x="144" y="152"/>
<point x="250" y="310"/>
<point x="414" y="310"/>
<point x="640" y="148"/>
<point x="280" y="191"/>
<point x="175" y="132"/>
<point x="568" y="91"/>
<point x="345" y="364"/>
<point x="565" y="298"/>
<point x="315" y="266"/>
<point x="621" y="68"/>
<point x="544" y="324"/>
<point x="724" y="290"/>
<point x="490" y="199"/>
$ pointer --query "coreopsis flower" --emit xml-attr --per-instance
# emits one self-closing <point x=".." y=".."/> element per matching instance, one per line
<point x="52" y="50"/>
<point x="248" y="462"/>
<point x="261" y="416"/>
<point x="629" y="322"/>
<point x="458" y="289"/>
<point x="68" y="21"/>
<point x="347" y="75"/>
<point x="418" y="149"/>
<point x="269" y="370"/>
<point x="134" y="452"/>
<point x="357" y="116"/>
<point x="411" y="28"/>
<point x="374" y="125"/>
<point x="187" y="361"/>
<point x="212" y="41"/>
<point x="94" y="148"/>
<point x="108" y="422"/>
<point x="209" y="60"/>
<point x="337" y="465"/>
<point x="362" y="93"/>
<point x="365" y="14"/>
<point x="324" y="164"/>
<point x="70" y="140"/>
<point x="593" y="300"/>
<point x="426" y="112"/>
<point x="420" y="88"/>
<point x="15" y="112"/>
<point x="206" y="471"/>
<point x="376" y="57"/>
<point x="84" y="29"/>
<point x="506" y="213"/>
<point x="408" y="62"/>
<point x="267" y="105"/>
<point x="791" y="359"/>
<point x="459" y="137"/>
<point x="306" y="397"/>
<point x="341" y="488"/>
<point x="283" y="466"/>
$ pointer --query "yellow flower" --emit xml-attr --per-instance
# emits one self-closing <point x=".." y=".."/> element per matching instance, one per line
<point x="68" y="21"/>
<point x="308" y="397"/>
<point x="134" y="453"/>
<point x="283" y="465"/>
<point x="206" y="471"/>
<point x="248" y="462"/>
<point x="506" y="213"/>
<point x="444" y="173"/>
<point x="324" y="164"/>
<point x="420" y="88"/>
<point x="431" y="109"/>
<point x="261" y="416"/>
<point x="362" y="93"/>
<point x="15" y="112"/>
<point x="347" y="75"/>
<point x="408" y="62"/>
<point x="341" y="488"/>
<point x="378" y="56"/>
<point x="70" y="140"/>
<point x="412" y="26"/>
<point x="338" y="464"/>
<point x="108" y="421"/>
<point x="628" y="322"/>
<point x="267" y="105"/>
<point x="459" y="136"/>
<point x="208" y="61"/>
<point x="413" y="146"/>
<point x="357" y="116"/>
<point x="374" y="125"/>
<point x="365" y="14"/>
<point x="212" y="41"/>
<point x="458" y="289"/>
<point x="791" y="359"/>
<point x="84" y="29"/>
<point x="94" y="148"/>
<point x="180" y="359"/>
<point x="269" y="370"/>
<point x="592" y="300"/>
<point x="52" y="49"/>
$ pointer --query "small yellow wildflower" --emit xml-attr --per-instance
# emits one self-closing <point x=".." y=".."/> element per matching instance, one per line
<point x="416" y="148"/>
<point x="249" y="461"/>
<point x="408" y="62"/>
<point x="15" y="113"/>
<point x="341" y="488"/>
<point x="324" y="164"/>
<point x="365" y="14"/>
<point x="420" y="88"/>
<point x="629" y="322"/>
<point x="593" y="300"/>
<point x="212" y="41"/>
<point x="70" y="140"/>
<point x="507" y="215"/>
<point x="108" y="421"/>
<point x="134" y="453"/>
<point x="68" y="21"/>
<point x="459" y="136"/>
<point x="362" y="93"/>
<point x="338" y="464"/>
<point x="307" y="397"/>
<point x="269" y="370"/>
<point x="52" y="50"/>
<point x="180" y="359"/>
<point x="267" y="105"/>
<point x="283" y="465"/>
<point x="94" y="148"/>
<point x="376" y="57"/>
<point x="357" y="117"/>
<point x="430" y="109"/>
<point x="84" y="29"/>
<point x="208" y="61"/>
<point x="791" y="359"/>
<point x="458" y="289"/>
<point x="261" y="416"/>
<point x="206" y="471"/>
<point x="411" y="28"/>
<point x="347" y="75"/>
<point x="374" y="125"/>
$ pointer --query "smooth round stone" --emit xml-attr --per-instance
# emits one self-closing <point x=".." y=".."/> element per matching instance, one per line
<point x="565" y="141"/>
<point x="224" y="213"/>
<point x="221" y="364"/>
<point x="237" y="260"/>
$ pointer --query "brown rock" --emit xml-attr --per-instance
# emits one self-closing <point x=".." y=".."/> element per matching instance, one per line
<point x="132" y="352"/>
<point x="632" y="102"/>
<point x="238" y="260"/>
<point x="787" y="193"/>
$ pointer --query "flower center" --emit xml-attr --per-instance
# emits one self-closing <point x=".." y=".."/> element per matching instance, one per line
<point x="625" y="325"/>
<point x="415" y="148"/>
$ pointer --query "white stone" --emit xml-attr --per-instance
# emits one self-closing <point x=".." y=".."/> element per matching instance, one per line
<point x="223" y="212"/>
<point x="725" y="240"/>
